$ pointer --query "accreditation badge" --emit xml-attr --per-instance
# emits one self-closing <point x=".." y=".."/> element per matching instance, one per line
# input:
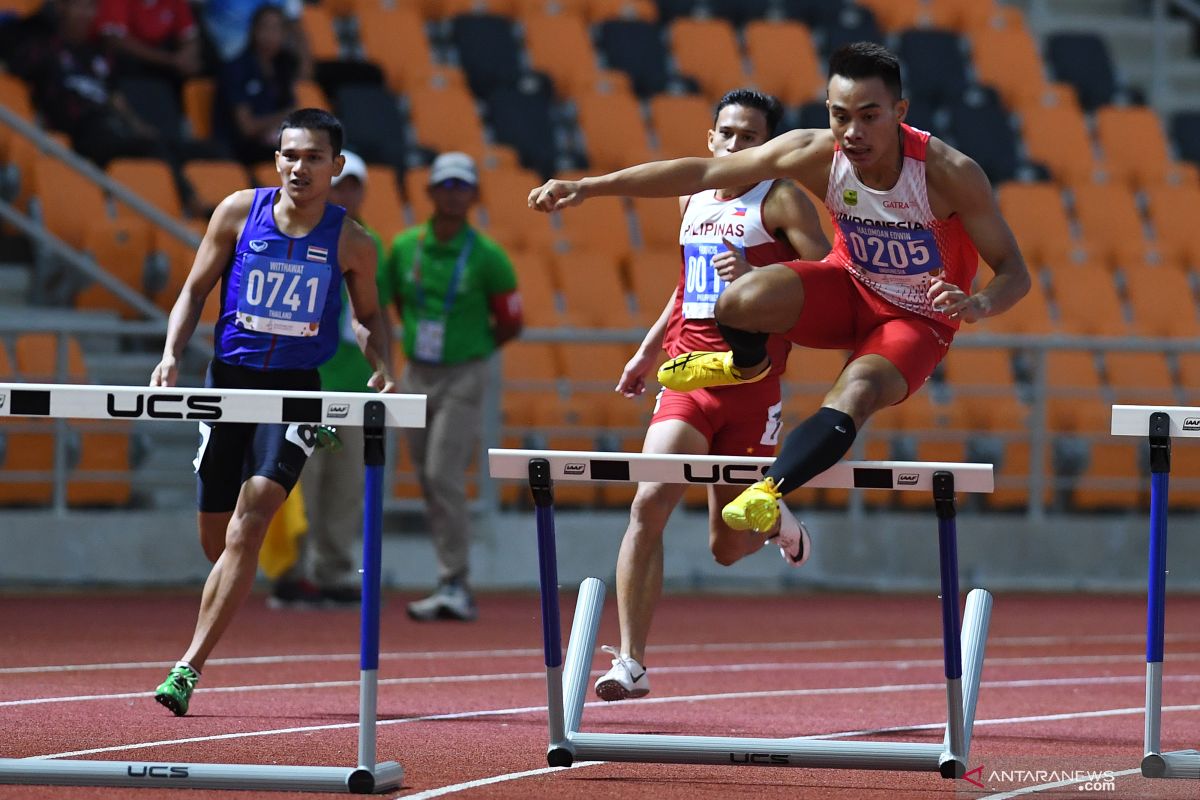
<point x="431" y="340"/>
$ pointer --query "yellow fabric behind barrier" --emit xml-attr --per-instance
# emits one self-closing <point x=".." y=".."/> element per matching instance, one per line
<point x="281" y="548"/>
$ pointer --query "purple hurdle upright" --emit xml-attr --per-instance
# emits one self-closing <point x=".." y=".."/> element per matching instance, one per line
<point x="568" y="679"/>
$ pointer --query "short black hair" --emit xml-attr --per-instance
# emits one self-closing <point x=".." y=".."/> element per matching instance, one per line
<point x="770" y="106"/>
<point x="859" y="60"/>
<point x="314" y="119"/>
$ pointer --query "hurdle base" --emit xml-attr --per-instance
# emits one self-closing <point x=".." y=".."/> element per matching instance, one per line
<point x="952" y="768"/>
<point x="740" y="751"/>
<point x="560" y="756"/>
<point x="1176" y="764"/>
<point x="145" y="774"/>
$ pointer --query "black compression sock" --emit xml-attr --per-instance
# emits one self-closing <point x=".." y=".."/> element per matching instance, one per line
<point x="812" y="447"/>
<point x="748" y="348"/>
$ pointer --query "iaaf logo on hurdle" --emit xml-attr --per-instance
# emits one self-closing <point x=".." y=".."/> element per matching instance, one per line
<point x="1191" y="423"/>
<point x="338" y="410"/>
<point x="1083" y="780"/>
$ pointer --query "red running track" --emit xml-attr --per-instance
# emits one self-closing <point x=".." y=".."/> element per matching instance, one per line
<point x="462" y="706"/>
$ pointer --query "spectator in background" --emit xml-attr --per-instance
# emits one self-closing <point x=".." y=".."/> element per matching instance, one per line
<point x="332" y="482"/>
<point x="228" y="24"/>
<point x="151" y="37"/>
<point x="457" y="296"/>
<point x="256" y="90"/>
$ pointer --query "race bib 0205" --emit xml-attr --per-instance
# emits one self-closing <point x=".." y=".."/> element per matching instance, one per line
<point x="285" y="298"/>
<point x="701" y="285"/>
<point x="891" y="251"/>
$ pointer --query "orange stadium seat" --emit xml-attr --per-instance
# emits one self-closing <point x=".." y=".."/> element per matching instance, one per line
<point x="509" y="219"/>
<point x="1038" y="219"/>
<point x="1112" y="479"/>
<point x="102" y="450"/>
<point x="265" y="174"/>
<point x="68" y="200"/>
<point x="394" y="38"/>
<point x="1012" y="478"/>
<point x="415" y="188"/>
<point x="530" y="361"/>
<point x="1088" y="303"/>
<point x="199" y="95"/>
<point x="1006" y="57"/>
<point x="547" y="37"/>
<point x="991" y="368"/>
<point x="593" y="296"/>
<point x="446" y="119"/>
<point x="1073" y="373"/>
<point x="316" y="22"/>
<point x="1058" y="138"/>
<point x="14" y="95"/>
<point x="444" y="9"/>
<point x="36" y="359"/>
<point x="534" y="8"/>
<point x="536" y="282"/>
<point x="1030" y="315"/>
<point x="151" y="180"/>
<point x="213" y="181"/>
<point x="28" y="449"/>
<point x="121" y="247"/>
<point x="7" y="371"/>
<point x="707" y="50"/>
<point x="383" y="208"/>
<point x="1139" y="378"/>
<point x="654" y="275"/>
<point x="1110" y="223"/>
<point x="594" y="365"/>
<point x="601" y="10"/>
<point x="990" y="413"/>
<point x="601" y="226"/>
<point x="1134" y="144"/>
<point x="894" y="16"/>
<point x="1086" y="413"/>
<point x="812" y="370"/>
<point x="613" y="130"/>
<point x="785" y="61"/>
<point x="658" y="220"/>
<point x="1162" y="302"/>
<point x="1189" y="377"/>
<point x="960" y="16"/>
<point x="1172" y="212"/>
<point x="309" y="94"/>
<point x="179" y="257"/>
<point x="681" y="123"/>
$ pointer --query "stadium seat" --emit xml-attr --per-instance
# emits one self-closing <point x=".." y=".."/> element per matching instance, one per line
<point x="547" y="37"/>
<point x="1139" y="378"/>
<point x="1134" y="145"/>
<point x="1038" y="219"/>
<point x="394" y="38"/>
<point x="36" y="359"/>
<point x="102" y="450"/>
<point x="1006" y="57"/>
<point x="738" y="12"/>
<point x="935" y="67"/>
<point x="1072" y="373"/>
<point x="374" y="128"/>
<point x="522" y="117"/>
<point x="784" y="61"/>
<point x="309" y="94"/>
<point x="1162" y="301"/>
<point x="1172" y="213"/>
<point x="122" y="248"/>
<point x="383" y="207"/>
<point x="1082" y="60"/>
<point x="707" y="51"/>
<point x="591" y="365"/>
<point x="536" y="362"/>
<point x="894" y="16"/>
<point x="1031" y="315"/>
<point x="615" y="136"/>
<point x="600" y="227"/>
<point x="851" y="23"/>
<point x="67" y="200"/>
<point x="14" y="95"/>
<point x="446" y="119"/>
<point x="980" y="128"/>
<point x="1185" y="132"/>
<point x="1109" y="222"/>
<point x="316" y="22"/>
<point x="1113" y="479"/>
<point x="199" y="95"/>
<point x="29" y="449"/>
<point x="488" y="51"/>
<point x="213" y="181"/>
<point x="813" y="13"/>
<point x="156" y="102"/>
<point x="599" y="11"/>
<point x="592" y="290"/>
<point x="509" y="220"/>
<point x="537" y="283"/>
<point x="960" y="16"/>
<point x="680" y="122"/>
<point x="971" y="368"/>
<point x="150" y="179"/>
<point x="636" y="48"/>
<point x="1057" y="138"/>
<point x="1087" y="300"/>
<point x="658" y="220"/>
<point x="654" y="275"/>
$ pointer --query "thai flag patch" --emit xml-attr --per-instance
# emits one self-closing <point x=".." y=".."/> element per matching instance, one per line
<point x="315" y="253"/>
<point x="739" y="211"/>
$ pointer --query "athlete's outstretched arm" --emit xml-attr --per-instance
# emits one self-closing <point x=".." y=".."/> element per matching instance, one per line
<point x="782" y="157"/>
<point x="358" y="257"/>
<point x="216" y="248"/>
<point x="965" y="185"/>
<point x="633" y="378"/>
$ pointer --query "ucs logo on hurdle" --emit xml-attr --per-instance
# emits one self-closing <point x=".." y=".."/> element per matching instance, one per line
<point x="164" y="406"/>
<point x="155" y="771"/>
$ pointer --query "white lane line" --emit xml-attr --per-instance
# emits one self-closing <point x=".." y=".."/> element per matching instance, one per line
<point x="437" y="655"/>
<point x="509" y="776"/>
<point x="1056" y="785"/>
<point x="682" y="670"/>
<point x="692" y="698"/>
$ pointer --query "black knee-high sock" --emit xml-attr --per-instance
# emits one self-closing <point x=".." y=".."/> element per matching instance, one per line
<point x="748" y="348"/>
<point x="812" y="447"/>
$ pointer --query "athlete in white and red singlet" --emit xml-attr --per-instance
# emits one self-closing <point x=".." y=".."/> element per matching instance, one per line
<point x="910" y="212"/>
<point x="722" y="235"/>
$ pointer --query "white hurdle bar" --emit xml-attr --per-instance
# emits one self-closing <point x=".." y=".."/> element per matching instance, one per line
<point x="373" y="413"/>
<point x="1158" y="424"/>
<point x="567" y="682"/>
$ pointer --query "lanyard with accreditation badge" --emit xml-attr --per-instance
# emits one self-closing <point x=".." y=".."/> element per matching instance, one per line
<point x="431" y="333"/>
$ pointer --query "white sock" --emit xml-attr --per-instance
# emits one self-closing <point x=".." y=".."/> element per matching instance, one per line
<point x="189" y="666"/>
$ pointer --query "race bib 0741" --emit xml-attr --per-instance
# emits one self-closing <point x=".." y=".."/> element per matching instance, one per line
<point x="285" y="298"/>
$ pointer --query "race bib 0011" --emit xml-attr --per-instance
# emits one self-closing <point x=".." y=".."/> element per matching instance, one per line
<point x="285" y="298"/>
<point x="701" y="285"/>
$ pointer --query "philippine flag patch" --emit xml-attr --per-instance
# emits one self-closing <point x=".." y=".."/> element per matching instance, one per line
<point x="739" y="211"/>
<point x="315" y="253"/>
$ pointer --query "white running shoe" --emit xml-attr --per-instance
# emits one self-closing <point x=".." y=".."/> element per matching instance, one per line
<point x="794" y="543"/>
<point x="626" y="680"/>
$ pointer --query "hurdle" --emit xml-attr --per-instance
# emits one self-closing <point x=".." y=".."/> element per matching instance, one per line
<point x="374" y="413"/>
<point x="1158" y="424"/>
<point x="567" y="680"/>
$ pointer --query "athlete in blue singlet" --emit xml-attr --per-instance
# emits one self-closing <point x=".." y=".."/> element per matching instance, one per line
<point x="281" y="256"/>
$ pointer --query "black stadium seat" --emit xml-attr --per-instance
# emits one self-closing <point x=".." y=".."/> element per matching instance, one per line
<point x="850" y="24"/>
<point x="1185" y="131"/>
<point x="935" y="69"/>
<point x="980" y="127"/>
<point x="636" y="48"/>
<point x="739" y="12"/>
<point x="521" y="118"/>
<point x="488" y="51"/>
<point x="374" y="127"/>
<point x="1082" y="60"/>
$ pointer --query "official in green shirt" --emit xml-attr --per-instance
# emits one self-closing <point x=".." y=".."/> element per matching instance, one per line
<point x="456" y="293"/>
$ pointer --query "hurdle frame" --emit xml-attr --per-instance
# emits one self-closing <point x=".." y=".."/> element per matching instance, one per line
<point x="1158" y="424"/>
<point x="374" y="413"/>
<point x="567" y="679"/>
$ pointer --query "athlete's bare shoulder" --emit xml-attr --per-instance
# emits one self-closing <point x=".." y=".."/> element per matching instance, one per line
<point x="231" y="214"/>
<point x="944" y="163"/>
<point x="955" y="180"/>
<point x="787" y="199"/>
<point x="354" y="241"/>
